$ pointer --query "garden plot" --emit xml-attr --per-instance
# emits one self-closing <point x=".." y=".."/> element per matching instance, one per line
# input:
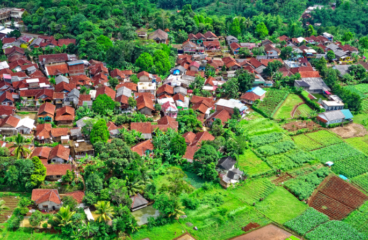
<point x="352" y="166"/>
<point x="306" y="143"/>
<point x="324" y="138"/>
<point x="273" y="100"/>
<point x="286" y="109"/>
<point x="335" y="153"/>
<point x="360" y="89"/>
<point x="360" y="143"/>
<point x="259" y="126"/>
<point x="252" y="191"/>
<point x="361" y="182"/>
<point x="281" y="162"/>
<point x="334" y="230"/>
<point x="359" y="219"/>
<point x="252" y="165"/>
<point x="11" y="202"/>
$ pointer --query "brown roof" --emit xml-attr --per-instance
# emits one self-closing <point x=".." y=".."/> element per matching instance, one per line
<point x="6" y="96"/>
<point x="8" y="40"/>
<point x="106" y="90"/>
<point x="201" y="107"/>
<point x="143" y="73"/>
<point x="60" y="151"/>
<point x="58" y="132"/>
<point x="14" y="49"/>
<point x="200" y="35"/>
<point x="82" y="98"/>
<point x="142" y="147"/>
<point x="214" y="43"/>
<point x="197" y="99"/>
<point x="37" y="74"/>
<point x="7" y="110"/>
<point x="283" y="37"/>
<point x="189" y="153"/>
<point x="43" y="130"/>
<point x="10" y="120"/>
<point x="57" y="169"/>
<point x="210" y="34"/>
<point x="63" y="86"/>
<point x="117" y="73"/>
<point x="232" y="64"/>
<point x="97" y="67"/>
<point x="165" y="89"/>
<point x="45" y="195"/>
<point x="77" y="195"/>
<point x="41" y="152"/>
<point x="66" y="42"/>
<point x="141" y="127"/>
<point x="80" y="80"/>
<point x="132" y="86"/>
<point x="189" y="137"/>
<point x="111" y="126"/>
<point x="255" y="63"/>
<point x="66" y="113"/>
<point x="166" y="122"/>
<point x="158" y="34"/>
<point x="309" y="74"/>
<point x="179" y="96"/>
<point x="59" y="69"/>
<point x="147" y="94"/>
<point x="144" y="101"/>
<point x="48" y="108"/>
<point x="194" y="73"/>
<point x="202" y="136"/>
<point x="52" y="58"/>
<point x="235" y="45"/>
<point x="223" y="115"/>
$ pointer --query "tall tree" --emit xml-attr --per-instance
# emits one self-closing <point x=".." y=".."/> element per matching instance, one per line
<point x="103" y="103"/>
<point x="261" y="30"/>
<point x="144" y="62"/>
<point x="235" y="28"/>
<point x="245" y="79"/>
<point x="99" y="132"/>
<point x="178" y="145"/>
<point x="104" y="210"/>
<point x="39" y="172"/>
<point x="20" y="149"/>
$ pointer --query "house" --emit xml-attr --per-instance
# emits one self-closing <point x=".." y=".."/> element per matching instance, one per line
<point x="6" y="111"/>
<point x="56" y="70"/>
<point x="113" y="129"/>
<point x="144" y="76"/>
<point x="194" y="66"/>
<point x="25" y="125"/>
<point x="60" y="79"/>
<point x="328" y="36"/>
<point x="202" y="104"/>
<point x="60" y="135"/>
<point x="72" y="97"/>
<point x="159" y="36"/>
<point x="331" y="117"/>
<point x="229" y="175"/>
<point x="123" y="100"/>
<point x="312" y="85"/>
<point x="58" y="99"/>
<point x="76" y="67"/>
<point x="65" y="115"/>
<point x="14" y="51"/>
<point x="165" y="89"/>
<point x="144" y="148"/>
<point x="118" y="74"/>
<point x="210" y="36"/>
<point x="178" y="70"/>
<point x="76" y="134"/>
<point x="53" y="59"/>
<point x="46" y="199"/>
<point x="138" y="202"/>
<point x="46" y="112"/>
<point x="253" y="94"/>
<point x="250" y="46"/>
<point x="212" y="45"/>
<point x="81" y="80"/>
<point x="189" y="138"/>
<point x="142" y="127"/>
<point x="42" y="153"/>
<point x="43" y="133"/>
<point x="271" y="52"/>
<point x="189" y="47"/>
<point x="8" y="125"/>
<point x="223" y="115"/>
<point x="343" y="69"/>
<point x="202" y="136"/>
<point x="169" y="109"/>
<point x="147" y="87"/>
<point x="142" y="33"/>
<point x="97" y="68"/>
<point x="332" y="105"/>
<point x="59" y="154"/>
<point x="145" y="105"/>
<point x="235" y="47"/>
<point x="165" y="123"/>
<point x="81" y="149"/>
<point x="229" y="105"/>
<point x="189" y="153"/>
<point x="6" y="99"/>
<point x="231" y="39"/>
<point x="54" y="172"/>
<point x="66" y="42"/>
<point x="232" y="66"/>
<point x="106" y="90"/>
<point x="124" y="91"/>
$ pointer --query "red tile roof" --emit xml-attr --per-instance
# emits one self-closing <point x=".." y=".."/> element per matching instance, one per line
<point x="132" y="86"/>
<point x="250" y="96"/>
<point x="48" y="108"/>
<point x="165" y="89"/>
<point x="80" y="80"/>
<point x="144" y="128"/>
<point x="210" y="34"/>
<point x="207" y="101"/>
<point x="143" y="73"/>
<point x="61" y="152"/>
<point x="202" y="136"/>
<point x="266" y="61"/>
<point x="66" y="42"/>
<point x="9" y="120"/>
<point x="111" y="126"/>
<point x="310" y="74"/>
<point x="214" y="43"/>
<point x="53" y="58"/>
<point x="77" y="195"/>
<point x="232" y="64"/>
<point x="189" y="137"/>
<point x="82" y="98"/>
<point x="147" y="94"/>
<point x="122" y="99"/>
<point x="58" y="95"/>
<point x="144" y="101"/>
<point x="6" y="96"/>
<point x="7" y="110"/>
<point x="8" y="40"/>
<point x="41" y="152"/>
<point x="179" y="96"/>
<point x="59" y="69"/>
<point x="117" y="73"/>
<point x="223" y="115"/>
<point x="106" y="90"/>
<point x="255" y="63"/>
<point x="66" y="113"/>
<point x="14" y="49"/>
<point x="235" y="45"/>
<point x="142" y="147"/>
<point x="194" y="73"/>
<point x="57" y="169"/>
<point x="46" y="195"/>
<point x="166" y="122"/>
<point x="43" y="130"/>
<point x="98" y="68"/>
<point x="37" y="74"/>
<point x="58" y="132"/>
<point x="189" y="153"/>
<point x="195" y="64"/>
<point x="127" y="72"/>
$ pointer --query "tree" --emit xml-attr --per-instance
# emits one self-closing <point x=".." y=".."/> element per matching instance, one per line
<point x="70" y="202"/>
<point x="178" y="145"/>
<point x="68" y="177"/>
<point x="206" y="154"/>
<point x="364" y="42"/>
<point x="134" y="78"/>
<point x="94" y="183"/>
<point x="102" y="104"/>
<point x="347" y="36"/>
<point x="104" y="41"/>
<point x="104" y="210"/>
<point x="330" y="55"/>
<point x="236" y="114"/>
<point x="168" y="205"/>
<point x="245" y="79"/>
<point x="310" y="31"/>
<point x="217" y="128"/>
<point x="113" y="82"/>
<point x="119" y="192"/>
<point x="39" y="172"/>
<point x="272" y="68"/>
<point x="3" y="207"/>
<point x="157" y="107"/>
<point x="286" y="52"/>
<point x="244" y="52"/>
<point x="198" y="82"/>
<point x="231" y="88"/>
<point x="235" y="28"/>
<point x="63" y="217"/>
<point x="132" y="102"/>
<point x="20" y="149"/>
<point x="144" y="62"/>
<point x="36" y="218"/>
<point x="52" y="80"/>
<point x="161" y="62"/>
<point x="261" y="30"/>
<point x="99" y="132"/>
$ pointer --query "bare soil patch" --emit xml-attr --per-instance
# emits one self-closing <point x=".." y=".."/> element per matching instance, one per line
<point x="269" y="232"/>
<point x="297" y="125"/>
<point x="351" y="130"/>
<point x="250" y="226"/>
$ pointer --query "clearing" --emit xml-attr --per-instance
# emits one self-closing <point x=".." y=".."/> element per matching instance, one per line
<point x="286" y="109"/>
<point x="269" y="232"/>
<point x="297" y="125"/>
<point x="351" y="130"/>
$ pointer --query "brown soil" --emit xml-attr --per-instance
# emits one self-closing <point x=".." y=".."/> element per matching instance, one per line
<point x="351" y="130"/>
<point x="250" y="226"/>
<point x="269" y="232"/>
<point x="294" y="126"/>
<point x="283" y="178"/>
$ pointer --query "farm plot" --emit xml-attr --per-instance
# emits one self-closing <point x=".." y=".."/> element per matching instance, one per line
<point x="253" y="191"/>
<point x="252" y="165"/>
<point x="299" y="156"/>
<point x="360" y="89"/>
<point x="324" y="138"/>
<point x="352" y="167"/>
<point x="365" y="105"/>
<point x="303" y="186"/>
<point x="273" y="100"/>
<point x="276" y="148"/>
<point x="264" y="139"/>
<point x="335" y="153"/>
<point x="359" y="219"/>
<point x="306" y="143"/>
<point x="11" y="202"/>
<point x="310" y="219"/>
<point x="281" y="206"/>
<point x="333" y="230"/>
<point x="259" y="127"/>
<point x="360" y="143"/>
<point x="281" y="162"/>
<point x="303" y="111"/>
<point x="284" y="112"/>
<point x="361" y="182"/>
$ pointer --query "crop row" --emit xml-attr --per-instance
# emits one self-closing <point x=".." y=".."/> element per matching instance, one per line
<point x="359" y="219"/>
<point x="264" y="139"/>
<point x="272" y="101"/>
<point x="361" y="181"/>
<point x="306" y="143"/>
<point x="253" y="191"/>
<point x="335" y="152"/>
<point x="333" y="230"/>
<point x="324" y="138"/>
<point x="310" y="219"/>
<point x="352" y="166"/>
<point x="276" y="148"/>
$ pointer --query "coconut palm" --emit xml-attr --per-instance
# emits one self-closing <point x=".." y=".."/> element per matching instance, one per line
<point x="135" y="187"/>
<point x="20" y="150"/>
<point x="105" y="211"/>
<point x="88" y="230"/>
<point x="3" y="207"/>
<point x="64" y="216"/>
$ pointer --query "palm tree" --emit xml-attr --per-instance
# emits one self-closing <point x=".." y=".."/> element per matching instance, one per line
<point x="248" y="23"/>
<point x="3" y="207"/>
<point x="88" y="230"/>
<point x="135" y="187"/>
<point x="177" y="211"/>
<point x="64" y="216"/>
<point x="105" y="211"/>
<point x="20" y="150"/>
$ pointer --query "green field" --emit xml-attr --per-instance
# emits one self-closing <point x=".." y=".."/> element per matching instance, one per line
<point x="273" y="100"/>
<point x="281" y="206"/>
<point x="361" y="119"/>
<point x="252" y="165"/>
<point x="360" y="89"/>
<point x="306" y="143"/>
<point x="26" y="234"/>
<point x="335" y="152"/>
<point x="284" y="112"/>
<point x="252" y="190"/>
<point x="259" y="126"/>
<point x="365" y="105"/>
<point x="360" y="143"/>
<point x="361" y="181"/>
<point x="325" y="138"/>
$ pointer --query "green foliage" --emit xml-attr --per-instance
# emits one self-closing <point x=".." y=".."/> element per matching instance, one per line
<point x="352" y="166"/>
<point x="358" y="219"/>
<point x="335" y="153"/>
<point x="245" y="79"/>
<point x="188" y="121"/>
<point x="303" y="186"/>
<point x="70" y="201"/>
<point x="314" y="105"/>
<point x="264" y="139"/>
<point x="178" y="145"/>
<point x="273" y="100"/>
<point x="325" y="138"/>
<point x="361" y="181"/>
<point x="161" y="62"/>
<point x="102" y="104"/>
<point x="144" y="62"/>
<point x="39" y="173"/>
<point x="231" y="88"/>
<point x="99" y="132"/>
<point x="310" y="219"/>
<point x="36" y="218"/>
<point x="330" y="55"/>
<point x="335" y="230"/>
<point x="276" y="148"/>
<point x="261" y="30"/>
<point x="253" y="190"/>
<point x="272" y="68"/>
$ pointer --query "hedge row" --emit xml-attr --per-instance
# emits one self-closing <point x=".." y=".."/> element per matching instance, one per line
<point x="312" y="104"/>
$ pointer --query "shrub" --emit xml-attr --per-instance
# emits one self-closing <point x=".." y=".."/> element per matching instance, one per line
<point x="191" y="203"/>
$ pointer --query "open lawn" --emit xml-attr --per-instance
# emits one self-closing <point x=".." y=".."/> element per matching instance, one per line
<point x="361" y="119"/>
<point x="252" y="165"/>
<point x="303" y="110"/>
<point x="284" y="112"/>
<point x="281" y="206"/>
<point x="260" y="126"/>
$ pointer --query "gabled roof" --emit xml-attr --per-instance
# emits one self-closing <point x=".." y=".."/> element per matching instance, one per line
<point x="138" y="201"/>
<point x="59" y="69"/>
<point x="165" y="89"/>
<point x="106" y="90"/>
<point x="143" y="73"/>
<point x="58" y="132"/>
<point x="46" y="195"/>
<point x="41" y="152"/>
<point x="66" y="42"/>
<point x="200" y="35"/>
<point x="97" y="67"/>
<point x="210" y="34"/>
<point x="9" y="120"/>
<point x="309" y="74"/>
<point x="226" y="163"/>
<point x="8" y="40"/>
<point x="8" y="96"/>
<point x="142" y="127"/>
<point x="117" y="73"/>
<point x="14" y="49"/>
<point x="191" y="36"/>
<point x="189" y="137"/>
<point x="60" y="151"/>
<point x="189" y="153"/>
<point x="144" y="101"/>
<point x="235" y="45"/>
<point x="48" y="108"/>
<point x="158" y="34"/>
<point x="142" y="147"/>
<point x="65" y="113"/>
<point x="202" y="136"/>
<point x="179" y="96"/>
<point x="214" y="43"/>
<point x="77" y="195"/>
<point x="57" y="169"/>
<point x="43" y="130"/>
<point x="166" y="122"/>
<point x="53" y="58"/>
<point x="223" y="115"/>
<point x="255" y="63"/>
<point x="83" y="98"/>
<point x="132" y="86"/>
<point x="63" y="86"/>
<point x="6" y="110"/>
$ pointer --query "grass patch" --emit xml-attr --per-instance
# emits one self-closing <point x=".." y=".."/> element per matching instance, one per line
<point x="26" y="234"/>
<point x="194" y="180"/>
<point x="319" y="96"/>
<point x="251" y="191"/>
<point x="361" y="181"/>
<point x="360" y="143"/>
<point x="284" y="112"/>
<point x="325" y="138"/>
<point x="304" y="110"/>
<point x="306" y="143"/>
<point x="252" y="165"/>
<point x="281" y="206"/>
<point x="361" y="119"/>
<point x="259" y="126"/>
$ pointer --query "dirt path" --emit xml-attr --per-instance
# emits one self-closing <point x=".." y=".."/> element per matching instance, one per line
<point x="295" y="108"/>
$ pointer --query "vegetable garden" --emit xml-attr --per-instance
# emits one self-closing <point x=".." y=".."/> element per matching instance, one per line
<point x="310" y="219"/>
<point x="359" y="219"/>
<point x="324" y="138"/>
<point x="360" y="143"/>
<point x="271" y="103"/>
<point x="361" y="181"/>
<point x="352" y="166"/>
<point x="333" y="230"/>
<point x="306" y="143"/>
<point x="252" y="165"/>
<point x="335" y="153"/>
<point x="253" y="191"/>
<point x="360" y="89"/>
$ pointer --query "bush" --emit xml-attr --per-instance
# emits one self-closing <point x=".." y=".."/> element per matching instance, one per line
<point x="191" y="203"/>
<point x="311" y="103"/>
<point x="44" y="225"/>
